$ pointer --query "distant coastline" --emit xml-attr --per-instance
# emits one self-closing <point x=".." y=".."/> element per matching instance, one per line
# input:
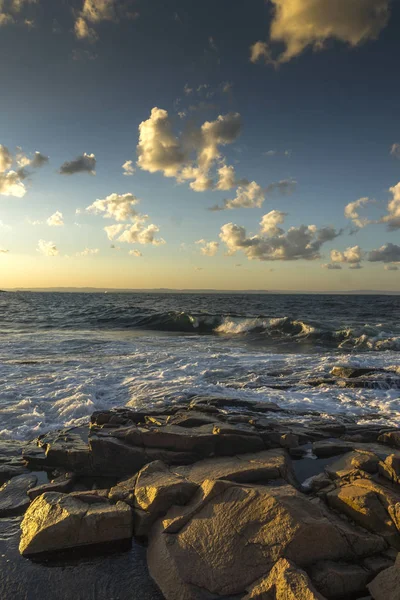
<point x="92" y="290"/>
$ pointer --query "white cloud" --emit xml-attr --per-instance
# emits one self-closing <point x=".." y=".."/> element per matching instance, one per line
<point x="56" y="220"/>
<point x="86" y="163"/>
<point x="88" y="252"/>
<point x="260" y="52"/>
<point x="139" y="234"/>
<point x="47" y="248"/>
<point x="297" y="243"/>
<point x="391" y="268"/>
<point x="115" y="206"/>
<point x="3" y="251"/>
<point x="6" y="159"/>
<point x="392" y="219"/>
<point x="389" y="253"/>
<point x="5" y="227"/>
<point x="351" y="212"/>
<point x="9" y="9"/>
<point x="190" y="157"/>
<point x="11" y="184"/>
<point x="249" y="195"/>
<point x="350" y="256"/>
<point x="226" y="178"/>
<point x="270" y="221"/>
<point x="83" y="31"/>
<point x="128" y="168"/>
<point x="208" y="248"/>
<point x="99" y="10"/>
<point x="300" y="23"/>
<point x="136" y="253"/>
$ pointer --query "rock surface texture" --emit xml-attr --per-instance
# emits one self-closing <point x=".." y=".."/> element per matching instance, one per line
<point x="225" y="496"/>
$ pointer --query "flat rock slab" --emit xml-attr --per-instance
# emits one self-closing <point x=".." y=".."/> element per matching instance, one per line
<point x="14" y="495"/>
<point x="243" y="468"/>
<point x="56" y="522"/>
<point x="229" y="536"/>
<point x="11" y="461"/>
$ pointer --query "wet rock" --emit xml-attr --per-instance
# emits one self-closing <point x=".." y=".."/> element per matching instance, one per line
<point x="386" y="585"/>
<point x="13" y="495"/>
<point x="230" y="535"/>
<point x="284" y="582"/>
<point x="289" y="440"/>
<point x="350" y="372"/>
<point x="63" y="483"/>
<point x="325" y="449"/>
<point x="297" y="453"/>
<point x="316" y="483"/>
<point x="66" y="448"/>
<point x="329" y="426"/>
<point x="11" y="461"/>
<point x="57" y="522"/>
<point x="391" y="438"/>
<point x="339" y="580"/>
<point x="191" y="419"/>
<point x="245" y="468"/>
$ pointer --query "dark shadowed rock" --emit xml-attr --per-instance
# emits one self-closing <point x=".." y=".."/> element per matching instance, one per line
<point x="350" y="372"/>
<point x="391" y="438"/>
<point x="386" y="586"/>
<point x="11" y="461"/>
<point x="13" y="495"/>
<point x="390" y="468"/>
<point x="339" y="580"/>
<point x="63" y="484"/>
<point x="57" y="521"/>
<point x="284" y="582"/>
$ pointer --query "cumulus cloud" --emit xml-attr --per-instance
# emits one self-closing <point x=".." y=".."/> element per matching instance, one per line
<point x="83" y="31"/>
<point x="351" y="212"/>
<point x="208" y="248"/>
<point x="297" y="243"/>
<point x="260" y="52"/>
<point x="298" y="24"/>
<point x="250" y="194"/>
<point x="226" y="178"/>
<point x="86" y="163"/>
<point x="332" y="266"/>
<point x="113" y="230"/>
<point x="11" y="184"/>
<point x="392" y="219"/>
<point x="115" y="206"/>
<point x="136" y="253"/>
<point x="99" y="10"/>
<point x="190" y="157"/>
<point x="10" y="9"/>
<point x="389" y="253"/>
<point x="6" y="159"/>
<point x="140" y="234"/>
<point x="128" y="168"/>
<point x="3" y="251"/>
<point x="350" y="256"/>
<point x="270" y="221"/>
<point x="47" y="248"/>
<point x="55" y="220"/>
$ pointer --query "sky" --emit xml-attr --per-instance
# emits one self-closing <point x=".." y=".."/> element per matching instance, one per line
<point x="212" y="145"/>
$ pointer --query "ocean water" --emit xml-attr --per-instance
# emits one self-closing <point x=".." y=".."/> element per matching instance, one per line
<point x="62" y="356"/>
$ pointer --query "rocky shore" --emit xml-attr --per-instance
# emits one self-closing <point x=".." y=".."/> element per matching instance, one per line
<point x="232" y="499"/>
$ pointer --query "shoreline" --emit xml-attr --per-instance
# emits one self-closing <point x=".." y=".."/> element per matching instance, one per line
<point x="152" y="476"/>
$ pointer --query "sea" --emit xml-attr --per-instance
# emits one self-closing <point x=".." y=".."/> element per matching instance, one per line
<point x="65" y="355"/>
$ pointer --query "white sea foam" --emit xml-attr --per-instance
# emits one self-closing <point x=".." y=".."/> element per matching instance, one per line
<point x="61" y="377"/>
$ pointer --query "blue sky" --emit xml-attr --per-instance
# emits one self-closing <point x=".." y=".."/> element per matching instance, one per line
<point x="316" y="108"/>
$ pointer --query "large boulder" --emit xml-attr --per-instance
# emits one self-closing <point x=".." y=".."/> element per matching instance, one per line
<point x="14" y="495"/>
<point x="339" y="580"/>
<point x="284" y="582"/>
<point x="56" y="521"/>
<point x="230" y="536"/>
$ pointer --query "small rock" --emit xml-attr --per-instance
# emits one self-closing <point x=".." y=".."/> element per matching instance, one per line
<point x="325" y="449"/>
<point x="350" y="372"/>
<point x="56" y="521"/>
<point x="13" y="495"/>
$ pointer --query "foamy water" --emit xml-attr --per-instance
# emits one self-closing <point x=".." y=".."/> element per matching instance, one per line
<point x="52" y="376"/>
